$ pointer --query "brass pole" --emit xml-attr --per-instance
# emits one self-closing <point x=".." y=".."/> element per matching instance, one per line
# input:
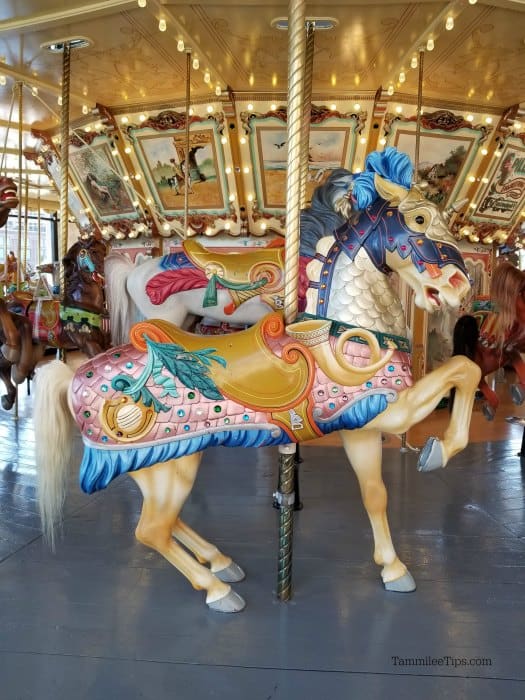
<point x="64" y="160"/>
<point x="187" y="178"/>
<point x="307" y="105"/>
<point x="418" y="115"/>
<point x="296" y="68"/>
<point x="23" y="264"/>
<point x="39" y="234"/>
<point x="20" y="199"/>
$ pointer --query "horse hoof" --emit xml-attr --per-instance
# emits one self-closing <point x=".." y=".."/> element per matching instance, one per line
<point x="517" y="392"/>
<point x="230" y="574"/>
<point x="404" y="584"/>
<point x="431" y="456"/>
<point x="488" y="411"/>
<point x="7" y="403"/>
<point x="230" y="603"/>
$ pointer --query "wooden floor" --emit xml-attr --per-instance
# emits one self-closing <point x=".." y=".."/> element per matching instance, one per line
<point x="103" y="618"/>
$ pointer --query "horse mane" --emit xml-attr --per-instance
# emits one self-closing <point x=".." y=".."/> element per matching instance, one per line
<point x="344" y="195"/>
<point x="507" y="284"/>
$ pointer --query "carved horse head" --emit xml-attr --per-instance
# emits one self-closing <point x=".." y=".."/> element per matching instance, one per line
<point x="84" y="275"/>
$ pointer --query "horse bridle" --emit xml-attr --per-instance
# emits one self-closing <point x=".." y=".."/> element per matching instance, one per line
<point x="382" y="228"/>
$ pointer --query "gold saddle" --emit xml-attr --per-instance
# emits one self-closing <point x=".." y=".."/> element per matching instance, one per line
<point x="254" y="375"/>
<point x="246" y="267"/>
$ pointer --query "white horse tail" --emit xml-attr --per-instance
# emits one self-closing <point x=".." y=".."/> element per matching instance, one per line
<point x="122" y="308"/>
<point x="53" y="432"/>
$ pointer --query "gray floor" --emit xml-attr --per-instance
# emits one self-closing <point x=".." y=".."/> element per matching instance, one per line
<point x="104" y="617"/>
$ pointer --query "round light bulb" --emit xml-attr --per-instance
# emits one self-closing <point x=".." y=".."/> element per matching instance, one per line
<point x="180" y="45"/>
<point x="142" y="3"/>
<point x="196" y="63"/>
<point x="413" y="62"/>
<point x="218" y="90"/>
<point x="207" y="76"/>
<point x="85" y="109"/>
<point x="3" y="80"/>
<point x="402" y="77"/>
<point x="162" y="25"/>
<point x="430" y="45"/>
<point x="390" y="90"/>
<point x="449" y="24"/>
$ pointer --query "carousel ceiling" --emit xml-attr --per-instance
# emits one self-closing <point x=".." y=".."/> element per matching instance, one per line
<point x="145" y="61"/>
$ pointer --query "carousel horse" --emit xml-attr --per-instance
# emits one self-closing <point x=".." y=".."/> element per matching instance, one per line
<point x="78" y="320"/>
<point x="19" y="355"/>
<point x="495" y="339"/>
<point x="150" y="407"/>
<point x="234" y="288"/>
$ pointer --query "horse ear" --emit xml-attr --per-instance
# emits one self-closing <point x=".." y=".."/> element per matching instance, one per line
<point x="388" y="190"/>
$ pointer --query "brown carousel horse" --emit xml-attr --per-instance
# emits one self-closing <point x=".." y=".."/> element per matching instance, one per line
<point x="496" y="338"/>
<point x="19" y="355"/>
<point x="78" y="320"/>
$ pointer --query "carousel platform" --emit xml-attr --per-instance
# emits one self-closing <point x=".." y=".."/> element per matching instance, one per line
<point x="105" y="618"/>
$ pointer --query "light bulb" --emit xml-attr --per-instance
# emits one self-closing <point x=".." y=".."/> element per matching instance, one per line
<point x="85" y="109"/>
<point x="357" y="107"/>
<point x="162" y="25"/>
<point x="413" y="62"/>
<point x="390" y="90"/>
<point x="34" y="90"/>
<point x="430" y="45"/>
<point x="196" y="63"/>
<point x="472" y="2"/>
<point x="402" y="77"/>
<point x="142" y="3"/>
<point x="218" y="90"/>
<point x="59" y="100"/>
<point x="3" y="80"/>
<point x="449" y="24"/>
<point x="207" y="76"/>
<point x="180" y="45"/>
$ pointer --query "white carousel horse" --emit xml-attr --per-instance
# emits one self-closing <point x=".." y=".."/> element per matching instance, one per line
<point x="149" y="408"/>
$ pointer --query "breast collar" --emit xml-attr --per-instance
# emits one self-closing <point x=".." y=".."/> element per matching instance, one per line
<point x="390" y="234"/>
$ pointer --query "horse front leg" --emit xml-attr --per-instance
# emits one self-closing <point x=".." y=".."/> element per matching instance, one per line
<point x="8" y="399"/>
<point x="165" y="488"/>
<point x="417" y="402"/>
<point x="364" y="450"/>
<point x="206" y="553"/>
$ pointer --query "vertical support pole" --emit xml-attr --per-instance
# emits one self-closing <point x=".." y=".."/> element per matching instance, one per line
<point x="307" y="111"/>
<point x="296" y="63"/>
<point x="64" y="161"/>
<point x="20" y="198"/>
<point x="187" y="176"/>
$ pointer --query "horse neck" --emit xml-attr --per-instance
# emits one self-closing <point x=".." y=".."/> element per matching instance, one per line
<point x="360" y="295"/>
<point x="80" y="295"/>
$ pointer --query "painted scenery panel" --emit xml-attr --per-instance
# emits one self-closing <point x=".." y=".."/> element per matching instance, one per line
<point x="504" y="195"/>
<point x="443" y="160"/>
<point x="163" y="157"/>
<point x="331" y="146"/>
<point x="96" y="172"/>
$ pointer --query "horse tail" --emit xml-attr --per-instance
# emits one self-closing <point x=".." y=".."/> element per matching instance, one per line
<point x="53" y="435"/>
<point x="122" y="309"/>
<point x="464" y="341"/>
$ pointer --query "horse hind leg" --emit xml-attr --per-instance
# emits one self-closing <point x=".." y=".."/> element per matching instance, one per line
<point x="206" y="553"/>
<point x="165" y="488"/>
<point x="364" y="450"/>
<point x="9" y="398"/>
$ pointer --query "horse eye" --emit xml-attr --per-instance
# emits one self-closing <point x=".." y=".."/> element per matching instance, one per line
<point x="420" y="219"/>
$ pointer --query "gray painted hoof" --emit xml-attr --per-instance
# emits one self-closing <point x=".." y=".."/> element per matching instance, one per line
<point x="517" y="393"/>
<point x="231" y="603"/>
<point x="405" y="584"/>
<point x="488" y="411"/>
<point x="431" y="456"/>
<point x="230" y="574"/>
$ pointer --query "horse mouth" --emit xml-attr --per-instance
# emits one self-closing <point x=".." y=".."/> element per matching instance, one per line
<point x="432" y="295"/>
<point x="9" y="197"/>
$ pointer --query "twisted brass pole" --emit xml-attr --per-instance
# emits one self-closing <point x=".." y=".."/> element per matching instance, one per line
<point x="187" y="177"/>
<point x="418" y="115"/>
<point x="296" y="63"/>
<point x="307" y="110"/>
<point x="64" y="160"/>
<point x="20" y="173"/>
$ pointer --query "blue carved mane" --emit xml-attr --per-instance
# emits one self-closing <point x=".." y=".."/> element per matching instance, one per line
<point x="322" y="216"/>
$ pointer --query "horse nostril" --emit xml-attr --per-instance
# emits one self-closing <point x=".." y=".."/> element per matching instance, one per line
<point x="420" y="219"/>
<point x="457" y="280"/>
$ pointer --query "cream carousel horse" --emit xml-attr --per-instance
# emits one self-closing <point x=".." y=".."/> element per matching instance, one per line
<point x="149" y="408"/>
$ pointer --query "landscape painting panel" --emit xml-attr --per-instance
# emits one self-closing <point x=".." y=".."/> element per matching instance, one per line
<point x="163" y="157"/>
<point x="504" y="196"/>
<point x="442" y="161"/>
<point x="96" y="172"/>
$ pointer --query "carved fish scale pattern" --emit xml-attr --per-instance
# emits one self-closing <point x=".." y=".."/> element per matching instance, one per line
<point x="191" y="414"/>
